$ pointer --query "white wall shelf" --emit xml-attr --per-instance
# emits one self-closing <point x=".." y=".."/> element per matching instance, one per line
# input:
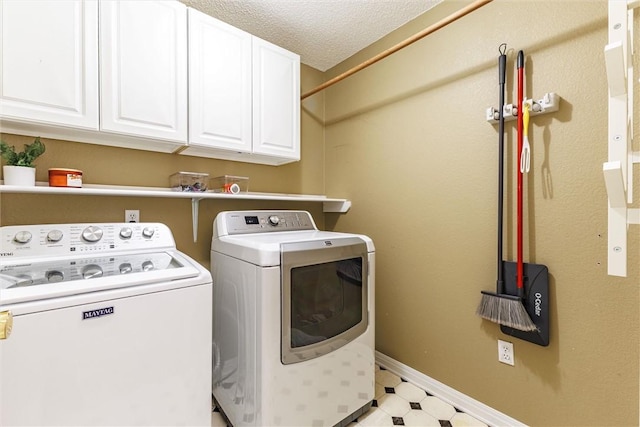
<point x="328" y="204"/>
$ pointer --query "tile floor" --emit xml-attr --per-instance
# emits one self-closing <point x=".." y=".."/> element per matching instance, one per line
<point x="400" y="403"/>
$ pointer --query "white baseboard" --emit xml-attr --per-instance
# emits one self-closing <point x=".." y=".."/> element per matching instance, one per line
<point x="470" y="406"/>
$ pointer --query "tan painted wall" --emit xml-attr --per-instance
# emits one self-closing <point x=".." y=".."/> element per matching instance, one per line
<point x="117" y="166"/>
<point x="407" y="142"/>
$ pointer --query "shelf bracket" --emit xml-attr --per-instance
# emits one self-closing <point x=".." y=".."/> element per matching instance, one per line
<point x="618" y="170"/>
<point x="341" y="206"/>
<point x="195" y="207"/>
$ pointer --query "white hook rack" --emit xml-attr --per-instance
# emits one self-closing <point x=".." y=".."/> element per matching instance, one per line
<point x="618" y="170"/>
<point x="549" y="103"/>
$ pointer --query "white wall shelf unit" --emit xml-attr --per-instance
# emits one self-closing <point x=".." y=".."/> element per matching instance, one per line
<point x="618" y="170"/>
<point x="328" y="204"/>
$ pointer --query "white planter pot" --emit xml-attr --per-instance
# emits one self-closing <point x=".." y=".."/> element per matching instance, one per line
<point x="19" y="175"/>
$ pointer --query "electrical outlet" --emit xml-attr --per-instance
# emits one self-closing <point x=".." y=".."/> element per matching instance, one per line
<point x="505" y="352"/>
<point x="131" y="215"/>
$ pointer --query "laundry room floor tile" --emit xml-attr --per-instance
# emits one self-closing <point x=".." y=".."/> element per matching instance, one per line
<point x="216" y="418"/>
<point x="400" y="403"/>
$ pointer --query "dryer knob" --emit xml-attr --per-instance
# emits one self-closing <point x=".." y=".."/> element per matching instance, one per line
<point x="147" y="266"/>
<point x="92" y="234"/>
<point x="125" y="268"/>
<point x="274" y="220"/>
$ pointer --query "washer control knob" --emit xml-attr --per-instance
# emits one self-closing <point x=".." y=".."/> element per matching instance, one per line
<point x="91" y="271"/>
<point x="274" y="220"/>
<point x="126" y="233"/>
<point x="22" y="237"/>
<point x="24" y="280"/>
<point x="54" y="276"/>
<point x="54" y="236"/>
<point x="148" y="232"/>
<point x="125" y="268"/>
<point x="147" y="266"/>
<point x="92" y="234"/>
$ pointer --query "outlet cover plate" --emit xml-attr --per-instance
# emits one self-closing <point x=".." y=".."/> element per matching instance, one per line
<point x="505" y="352"/>
<point x="131" y="215"/>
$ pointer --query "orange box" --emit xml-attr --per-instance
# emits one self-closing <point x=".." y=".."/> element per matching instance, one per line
<point x="62" y="177"/>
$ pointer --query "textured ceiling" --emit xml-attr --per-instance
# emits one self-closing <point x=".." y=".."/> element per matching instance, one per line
<point x="322" y="32"/>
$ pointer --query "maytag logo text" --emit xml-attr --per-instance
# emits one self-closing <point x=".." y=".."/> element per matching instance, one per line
<point x="97" y="313"/>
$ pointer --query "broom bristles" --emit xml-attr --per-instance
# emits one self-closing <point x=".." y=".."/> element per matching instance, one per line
<point x="505" y="310"/>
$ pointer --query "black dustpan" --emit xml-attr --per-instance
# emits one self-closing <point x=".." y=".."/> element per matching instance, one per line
<point x="536" y="300"/>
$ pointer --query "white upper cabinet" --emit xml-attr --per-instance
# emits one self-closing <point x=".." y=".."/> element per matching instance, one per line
<point x="146" y="74"/>
<point x="143" y="68"/>
<point x="276" y="101"/>
<point x="219" y="84"/>
<point x="244" y="95"/>
<point x="49" y="62"/>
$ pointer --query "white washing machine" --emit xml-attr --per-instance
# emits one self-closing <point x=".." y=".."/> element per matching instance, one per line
<point x="111" y="327"/>
<point x="293" y="320"/>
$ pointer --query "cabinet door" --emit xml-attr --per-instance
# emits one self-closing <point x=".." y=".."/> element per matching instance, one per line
<point x="143" y="68"/>
<point x="49" y="62"/>
<point x="219" y="84"/>
<point x="276" y="101"/>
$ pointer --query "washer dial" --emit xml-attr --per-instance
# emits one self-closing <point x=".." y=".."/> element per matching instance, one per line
<point x="54" y="236"/>
<point x="91" y="271"/>
<point x="125" y="268"/>
<point x="22" y="237"/>
<point x="92" y="234"/>
<point x="54" y="276"/>
<point x="148" y="232"/>
<point x="126" y="233"/>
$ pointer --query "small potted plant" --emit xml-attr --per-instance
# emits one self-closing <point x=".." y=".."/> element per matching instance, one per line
<point x="19" y="168"/>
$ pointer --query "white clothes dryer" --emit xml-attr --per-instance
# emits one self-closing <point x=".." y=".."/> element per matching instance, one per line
<point x="293" y="320"/>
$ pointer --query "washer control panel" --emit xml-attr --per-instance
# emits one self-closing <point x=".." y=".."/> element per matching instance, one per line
<point x="77" y="239"/>
<point x="48" y="272"/>
<point x="245" y="222"/>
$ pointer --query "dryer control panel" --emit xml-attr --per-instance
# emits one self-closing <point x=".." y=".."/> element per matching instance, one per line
<point x="246" y="222"/>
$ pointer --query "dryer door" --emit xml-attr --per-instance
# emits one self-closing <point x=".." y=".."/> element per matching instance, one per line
<point x="324" y="296"/>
